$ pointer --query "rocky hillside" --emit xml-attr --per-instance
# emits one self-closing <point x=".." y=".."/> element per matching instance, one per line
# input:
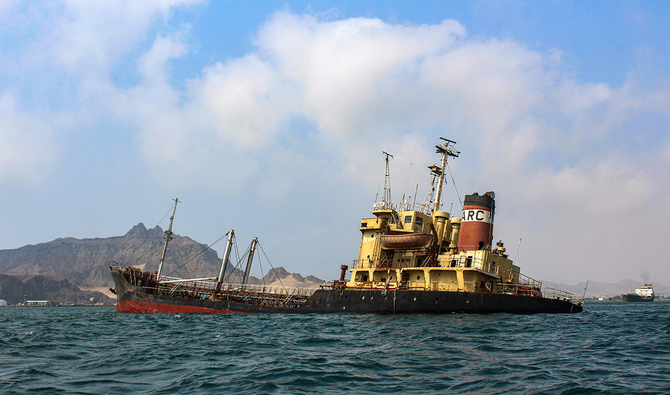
<point x="15" y="288"/>
<point x="84" y="263"/>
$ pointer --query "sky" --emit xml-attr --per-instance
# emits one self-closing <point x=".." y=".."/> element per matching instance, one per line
<point x="271" y="119"/>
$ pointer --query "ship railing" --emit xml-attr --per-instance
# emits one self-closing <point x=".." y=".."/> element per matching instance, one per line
<point x="490" y="267"/>
<point x="266" y="289"/>
<point x="422" y="208"/>
<point x="519" y="289"/>
<point x="469" y="261"/>
<point x="531" y="289"/>
<point x="384" y="206"/>
<point x="529" y="282"/>
<point x="199" y="287"/>
<point x="553" y="293"/>
<point x="204" y="285"/>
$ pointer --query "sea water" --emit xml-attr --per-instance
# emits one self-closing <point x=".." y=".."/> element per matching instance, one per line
<point x="610" y="348"/>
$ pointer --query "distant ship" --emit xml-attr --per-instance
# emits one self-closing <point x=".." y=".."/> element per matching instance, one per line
<point x="643" y="294"/>
<point x="413" y="258"/>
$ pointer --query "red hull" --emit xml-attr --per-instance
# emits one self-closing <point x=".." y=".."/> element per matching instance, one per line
<point x="132" y="306"/>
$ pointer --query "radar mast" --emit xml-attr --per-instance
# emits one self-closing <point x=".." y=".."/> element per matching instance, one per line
<point x="447" y="149"/>
<point x="386" y="199"/>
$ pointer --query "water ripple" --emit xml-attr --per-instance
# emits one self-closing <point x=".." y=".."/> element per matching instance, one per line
<point x="609" y="348"/>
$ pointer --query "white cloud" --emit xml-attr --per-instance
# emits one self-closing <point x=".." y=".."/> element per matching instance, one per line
<point x="151" y="65"/>
<point x="247" y="100"/>
<point x="91" y="35"/>
<point x="27" y="148"/>
<point x="361" y="80"/>
<point x="351" y="70"/>
<point x="607" y="187"/>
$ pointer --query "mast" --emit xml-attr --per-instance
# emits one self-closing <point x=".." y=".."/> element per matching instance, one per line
<point x="446" y="150"/>
<point x="251" y="257"/>
<point x="224" y="261"/>
<point x="386" y="199"/>
<point x="168" y="237"/>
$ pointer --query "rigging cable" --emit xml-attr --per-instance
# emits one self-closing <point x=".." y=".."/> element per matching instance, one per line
<point x="147" y="238"/>
<point x="197" y="255"/>
<point x="237" y="267"/>
<point x="410" y="169"/>
<point x="181" y="259"/>
<point x="454" y="182"/>
<point x="273" y="268"/>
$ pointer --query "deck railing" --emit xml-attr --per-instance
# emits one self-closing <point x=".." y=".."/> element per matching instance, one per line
<point x="210" y="286"/>
<point x="529" y="282"/>
<point x="554" y="293"/>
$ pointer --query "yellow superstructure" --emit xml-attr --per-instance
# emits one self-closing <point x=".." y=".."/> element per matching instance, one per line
<point x="417" y="247"/>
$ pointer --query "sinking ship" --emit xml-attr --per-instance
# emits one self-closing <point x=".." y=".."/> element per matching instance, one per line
<point x="414" y="258"/>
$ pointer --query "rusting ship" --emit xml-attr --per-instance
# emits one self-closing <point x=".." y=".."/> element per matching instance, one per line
<point x="413" y="258"/>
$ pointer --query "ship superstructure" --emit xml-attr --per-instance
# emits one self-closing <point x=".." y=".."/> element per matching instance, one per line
<point x="421" y="247"/>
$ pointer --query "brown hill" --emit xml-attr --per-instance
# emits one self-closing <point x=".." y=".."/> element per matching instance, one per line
<point x="281" y="277"/>
<point x="15" y="288"/>
<point x="84" y="262"/>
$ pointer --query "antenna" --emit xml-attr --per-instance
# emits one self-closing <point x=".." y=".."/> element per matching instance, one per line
<point x="447" y="149"/>
<point x="517" y="250"/>
<point x="168" y="236"/>
<point x="387" y="180"/>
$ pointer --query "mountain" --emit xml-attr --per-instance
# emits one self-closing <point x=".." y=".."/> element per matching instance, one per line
<point x="280" y="277"/>
<point x="15" y="288"/>
<point x="84" y="263"/>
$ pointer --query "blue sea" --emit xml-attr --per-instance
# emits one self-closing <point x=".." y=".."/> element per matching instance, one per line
<point x="610" y="348"/>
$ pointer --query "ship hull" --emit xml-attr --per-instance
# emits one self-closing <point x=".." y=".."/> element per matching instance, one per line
<point x="632" y="297"/>
<point x="133" y="299"/>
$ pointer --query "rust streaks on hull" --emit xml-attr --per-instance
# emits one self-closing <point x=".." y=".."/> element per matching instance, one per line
<point x="137" y="307"/>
